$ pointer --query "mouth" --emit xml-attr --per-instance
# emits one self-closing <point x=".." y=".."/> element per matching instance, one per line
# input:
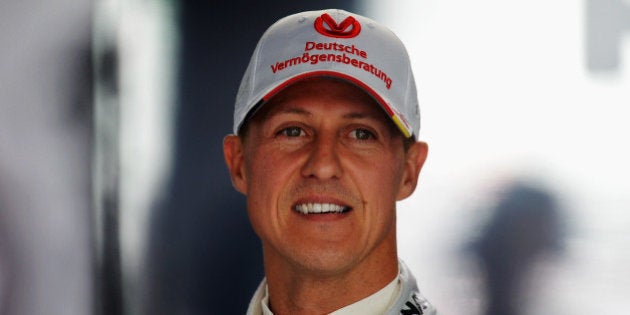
<point x="321" y="208"/>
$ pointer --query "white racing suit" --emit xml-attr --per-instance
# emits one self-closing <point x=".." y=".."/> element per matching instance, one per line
<point x="408" y="302"/>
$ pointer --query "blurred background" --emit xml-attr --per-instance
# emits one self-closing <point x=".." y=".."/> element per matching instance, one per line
<point x="114" y="198"/>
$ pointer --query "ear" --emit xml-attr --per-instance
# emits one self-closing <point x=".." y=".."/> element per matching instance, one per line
<point x="415" y="157"/>
<point x="233" y="154"/>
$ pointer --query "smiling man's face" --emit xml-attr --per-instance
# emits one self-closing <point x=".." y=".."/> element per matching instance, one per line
<point x="322" y="168"/>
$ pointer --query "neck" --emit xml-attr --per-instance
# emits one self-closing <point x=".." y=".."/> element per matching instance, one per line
<point x="298" y="290"/>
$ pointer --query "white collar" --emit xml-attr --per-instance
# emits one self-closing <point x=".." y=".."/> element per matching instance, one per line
<point x="376" y="303"/>
<point x="399" y="295"/>
<point x="264" y="302"/>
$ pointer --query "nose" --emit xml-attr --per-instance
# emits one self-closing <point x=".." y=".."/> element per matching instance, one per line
<point x="323" y="159"/>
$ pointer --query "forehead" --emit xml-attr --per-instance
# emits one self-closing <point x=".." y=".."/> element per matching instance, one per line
<point x="328" y="94"/>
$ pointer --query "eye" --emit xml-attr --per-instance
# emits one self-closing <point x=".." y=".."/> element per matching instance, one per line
<point x="362" y="134"/>
<point x="291" y="132"/>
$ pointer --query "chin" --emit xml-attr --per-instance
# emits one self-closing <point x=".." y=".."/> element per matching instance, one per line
<point x="326" y="262"/>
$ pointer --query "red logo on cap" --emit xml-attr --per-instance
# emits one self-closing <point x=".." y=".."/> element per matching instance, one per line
<point x="348" y="28"/>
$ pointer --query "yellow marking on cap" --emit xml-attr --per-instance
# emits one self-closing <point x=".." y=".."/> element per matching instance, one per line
<point x="401" y="126"/>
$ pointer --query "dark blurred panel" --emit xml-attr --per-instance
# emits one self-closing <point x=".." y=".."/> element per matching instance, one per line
<point x="204" y="257"/>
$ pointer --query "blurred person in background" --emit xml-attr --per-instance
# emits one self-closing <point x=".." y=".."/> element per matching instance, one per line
<point x="525" y="224"/>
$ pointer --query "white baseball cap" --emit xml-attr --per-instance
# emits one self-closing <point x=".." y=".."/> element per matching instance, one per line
<point x="332" y="43"/>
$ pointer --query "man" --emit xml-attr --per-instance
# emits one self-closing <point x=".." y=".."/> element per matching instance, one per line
<point x="325" y="125"/>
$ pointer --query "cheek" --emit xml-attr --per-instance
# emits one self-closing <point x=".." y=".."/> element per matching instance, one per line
<point x="260" y="194"/>
<point x="266" y="176"/>
<point x="380" y="175"/>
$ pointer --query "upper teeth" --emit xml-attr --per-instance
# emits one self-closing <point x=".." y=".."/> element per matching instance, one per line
<point x="307" y="208"/>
